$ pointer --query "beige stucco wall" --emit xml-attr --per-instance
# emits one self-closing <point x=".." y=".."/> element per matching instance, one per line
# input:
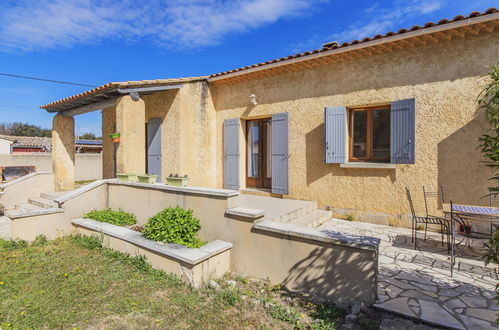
<point x="108" y="116"/>
<point x="63" y="152"/>
<point x="130" y="123"/>
<point x="87" y="166"/>
<point x="5" y="146"/>
<point x="212" y="268"/>
<point x="445" y="79"/>
<point x="188" y="133"/>
<point x="26" y="187"/>
<point x="321" y="269"/>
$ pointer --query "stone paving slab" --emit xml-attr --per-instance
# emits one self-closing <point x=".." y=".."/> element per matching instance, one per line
<point x="418" y="283"/>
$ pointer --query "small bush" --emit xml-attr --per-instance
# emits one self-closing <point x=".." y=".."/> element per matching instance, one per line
<point x="13" y="244"/>
<point x="89" y="242"/>
<point x="174" y="225"/>
<point x="119" y="218"/>
<point x="40" y="240"/>
<point x="229" y="297"/>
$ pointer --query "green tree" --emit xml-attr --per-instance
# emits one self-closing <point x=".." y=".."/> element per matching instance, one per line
<point x="89" y="136"/>
<point x="21" y="129"/>
<point x="488" y="101"/>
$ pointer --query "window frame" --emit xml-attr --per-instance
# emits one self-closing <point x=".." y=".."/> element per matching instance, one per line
<point x="369" y="137"/>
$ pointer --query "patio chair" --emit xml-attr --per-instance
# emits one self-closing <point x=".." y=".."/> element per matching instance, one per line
<point x="426" y="220"/>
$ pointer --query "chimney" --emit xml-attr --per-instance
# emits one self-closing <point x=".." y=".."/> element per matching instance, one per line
<point x="330" y="44"/>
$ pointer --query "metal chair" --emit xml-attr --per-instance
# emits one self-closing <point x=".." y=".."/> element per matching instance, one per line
<point x="426" y="220"/>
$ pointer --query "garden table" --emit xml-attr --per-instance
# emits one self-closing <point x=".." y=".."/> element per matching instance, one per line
<point x="474" y="213"/>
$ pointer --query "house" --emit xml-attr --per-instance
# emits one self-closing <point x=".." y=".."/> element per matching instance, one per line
<point x="349" y="125"/>
<point x="6" y="144"/>
<point x="35" y="144"/>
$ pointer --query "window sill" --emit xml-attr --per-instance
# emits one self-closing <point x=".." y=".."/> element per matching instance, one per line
<point x="368" y="165"/>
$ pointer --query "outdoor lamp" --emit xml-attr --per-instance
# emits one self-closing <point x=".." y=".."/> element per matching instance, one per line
<point x="253" y="99"/>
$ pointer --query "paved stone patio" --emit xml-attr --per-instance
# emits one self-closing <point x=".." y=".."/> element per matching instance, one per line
<point x="417" y="283"/>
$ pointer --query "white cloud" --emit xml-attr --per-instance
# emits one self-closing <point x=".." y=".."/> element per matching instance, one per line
<point x="377" y="19"/>
<point x="31" y="25"/>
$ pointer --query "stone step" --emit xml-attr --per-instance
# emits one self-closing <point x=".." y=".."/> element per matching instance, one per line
<point x="53" y="194"/>
<point x="245" y="212"/>
<point x="313" y="219"/>
<point x="298" y="212"/>
<point x="43" y="202"/>
<point x="28" y="207"/>
<point x="28" y="210"/>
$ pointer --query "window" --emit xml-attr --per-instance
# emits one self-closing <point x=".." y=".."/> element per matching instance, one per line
<point x="369" y="134"/>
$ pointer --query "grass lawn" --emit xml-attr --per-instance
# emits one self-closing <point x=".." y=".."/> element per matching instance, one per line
<point x="74" y="283"/>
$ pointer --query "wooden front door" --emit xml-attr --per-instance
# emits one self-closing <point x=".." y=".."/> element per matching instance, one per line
<point x="259" y="153"/>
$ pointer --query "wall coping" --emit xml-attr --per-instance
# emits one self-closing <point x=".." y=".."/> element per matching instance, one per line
<point x="77" y="192"/>
<point x="319" y="235"/>
<point x="25" y="177"/>
<point x="188" y="189"/>
<point x="191" y="256"/>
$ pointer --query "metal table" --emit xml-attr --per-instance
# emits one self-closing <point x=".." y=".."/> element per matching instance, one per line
<point x="474" y="213"/>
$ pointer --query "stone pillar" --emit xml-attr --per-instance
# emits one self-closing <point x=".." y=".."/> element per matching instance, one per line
<point x="108" y="156"/>
<point x="63" y="152"/>
<point x="130" y="123"/>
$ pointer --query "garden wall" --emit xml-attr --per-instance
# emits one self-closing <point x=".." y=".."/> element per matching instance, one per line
<point x="308" y="261"/>
<point x="87" y="166"/>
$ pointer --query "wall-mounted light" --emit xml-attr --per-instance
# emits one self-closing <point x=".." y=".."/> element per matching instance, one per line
<point x="253" y="99"/>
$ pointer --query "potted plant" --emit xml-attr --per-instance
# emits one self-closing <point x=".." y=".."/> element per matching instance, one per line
<point x="115" y="137"/>
<point x="129" y="177"/>
<point x="176" y="180"/>
<point x="147" y="178"/>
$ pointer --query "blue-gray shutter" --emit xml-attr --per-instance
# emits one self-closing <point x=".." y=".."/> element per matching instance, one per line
<point x="231" y="153"/>
<point x="154" y="147"/>
<point x="280" y="153"/>
<point x="335" y="134"/>
<point x="403" y="132"/>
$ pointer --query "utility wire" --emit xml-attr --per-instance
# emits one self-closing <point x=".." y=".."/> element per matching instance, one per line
<point x="46" y="80"/>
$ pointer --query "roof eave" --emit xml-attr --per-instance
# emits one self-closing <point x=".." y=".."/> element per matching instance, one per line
<point x="366" y="44"/>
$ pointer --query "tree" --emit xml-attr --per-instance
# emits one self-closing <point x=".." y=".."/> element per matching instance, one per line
<point x="488" y="101"/>
<point x="89" y="136"/>
<point x="21" y="129"/>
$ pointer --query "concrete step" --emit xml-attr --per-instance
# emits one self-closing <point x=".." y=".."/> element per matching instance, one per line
<point x="313" y="219"/>
<point x="28" y="207"/>
<point x="5" y="228"/>
<point x="298" y="212"/>
<point x="53" y="194"/>
<point x="24" y="210"/>
<point x="43" y="202"/>
<point x="245" y="212"/>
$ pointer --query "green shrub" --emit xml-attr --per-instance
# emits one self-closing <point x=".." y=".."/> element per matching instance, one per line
<point x="174" y="225"/>
<point x="119" y="218"/>
<point x="89" y="242"/>
<point x="40" y="240"/>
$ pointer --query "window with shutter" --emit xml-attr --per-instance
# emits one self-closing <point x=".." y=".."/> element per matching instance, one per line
<point x="335" y="135"/>
<point x="231" y="153"/>
<point x="369" y="134"/>
<point x="280" y="153"/>
<point x="403" y="132"/>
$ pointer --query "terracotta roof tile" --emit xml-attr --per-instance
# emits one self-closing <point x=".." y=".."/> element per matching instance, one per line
<point x="366" y="39"/>
<point x="112" y="85"/>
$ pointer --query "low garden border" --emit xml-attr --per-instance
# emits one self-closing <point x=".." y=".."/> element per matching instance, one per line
<point x="194" y="265"/>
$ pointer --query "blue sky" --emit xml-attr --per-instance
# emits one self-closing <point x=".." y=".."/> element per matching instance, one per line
<point x="95" y="42"/>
